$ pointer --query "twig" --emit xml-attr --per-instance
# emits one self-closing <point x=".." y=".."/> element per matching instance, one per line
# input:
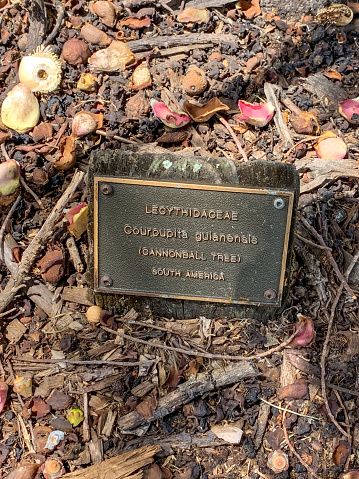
<point x="281" y="125"/>
<point x="288" y="410"/>
<point x="7" y="220"/>
<point x="37" y="243"/>
<point x="60" y="8"/>
<point x="298" y="143"/>
<point x="330" y="257"/>
<point x="234" y="136"/>
<point x="32" y="193"/>
<point x="207" y="355"/>
<point x="86" y="433"/>
<point x="9" y="311"/>
<point x="342" y="405"/>
<point x="326" y="345"/>
<point x="307" y="241"/>
<point x="119" y="138"/>
<point x="291" y="447"/>
<point x="76" y="362"/>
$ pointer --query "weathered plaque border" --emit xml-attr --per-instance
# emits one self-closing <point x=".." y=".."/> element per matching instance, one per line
<point x="191" y="186"/>
<point x="142" y="163"/>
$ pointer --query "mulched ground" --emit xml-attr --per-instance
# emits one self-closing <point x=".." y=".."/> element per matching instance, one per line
<point x="238" y="53"/>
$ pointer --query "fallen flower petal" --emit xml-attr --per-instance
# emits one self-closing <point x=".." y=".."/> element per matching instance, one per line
<point x="256" y="114"/>
<point x="3" y="394"/>
<point x="75" y="417"/>
<point x="306" y="335"/>
<point x="9" y="177"/>
<point x="168" y="117"/>
<point x="330" y="147"/>
<point x="193" y="15"/>
<point x="278" y="461"/>
<point x="79" y="222"/>
<point x="349" y="109"/>
<point x="74" y="211"/>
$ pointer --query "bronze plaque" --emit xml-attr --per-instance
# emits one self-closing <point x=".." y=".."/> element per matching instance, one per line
<point x="191" y="241"/>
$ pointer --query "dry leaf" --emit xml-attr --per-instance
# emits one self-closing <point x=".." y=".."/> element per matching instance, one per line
<point x="67" y="154"/>
<point x="228" y="432"/>
<point x="297" y="390"/>
<point x="44" y="131"/>
<point x="250" y="8"/>
<point x="52" y="265"/>
<point x="148" y="407"/>
<point x="341" y="453"/>
<point x="305" y="123"/>
<point x="137" y="106"/>
<point x="175" y="137"/>
<point x="136" y="23"/>
<point x="204" y="112"/>
<point x="173" y="379"/>
<point x="114" y="58"/>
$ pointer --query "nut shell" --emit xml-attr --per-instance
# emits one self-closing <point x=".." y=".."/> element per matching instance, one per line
<point x="194" y="82"/>
<point x="338" y="14"/>
<point x="93" y="314"/>
<point x="94" y="35"/>
<point x="20" y="110"/>
<point x="75" y="52"/>
<point x="23" y="386"/>
<point x="116" y="57"/>
<point x="106" y="11"/>
<point x="141" y="77"/>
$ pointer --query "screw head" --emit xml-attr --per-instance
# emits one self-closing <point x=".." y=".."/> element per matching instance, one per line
<point x="279" y="203"/>
<point x="106" y="281"/>
<point x="270" y="294"/>
<point x="106" y="189"/>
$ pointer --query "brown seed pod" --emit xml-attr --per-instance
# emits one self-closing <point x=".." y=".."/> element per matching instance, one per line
<point x="141" y="77"/>
<point x="106" y="11"/>
<point x="194" y="82"/>
<point x="23" y="386"/>
<point x="75" y="52"/>
<point x="338" y="14"/>
<point x="25" y="470"/>
<point x="95" y="36"/>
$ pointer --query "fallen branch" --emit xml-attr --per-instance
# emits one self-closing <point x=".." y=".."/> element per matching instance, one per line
<point x="234" y="136"/>
<point x="134" y="423"/>
<point x="123" y="466"/>
<point x="281" y="125"/>
<point x="77" y="362"/>
<point x="37" y="243"/>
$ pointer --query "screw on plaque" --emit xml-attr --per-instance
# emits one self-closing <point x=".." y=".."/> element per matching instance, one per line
<point x="270" y="294"/>
<point x="106" y="189"/>
<point x="278" y="203"/>
<point x="106" y="281"/>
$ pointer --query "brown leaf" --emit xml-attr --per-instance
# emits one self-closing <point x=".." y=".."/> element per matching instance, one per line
<point x="148" y="407"/>
<point x="341" y="453"/>
<point x="39" y="408"/>
<point x="204" y="112"/>
<point x="67" y="154"/>
<point x="137" y="106"/>
<point x="52" y="265"/>
<point x="59" y="401"/>
<point x="175" y="137"/>
<point x="153" y="472"/>
<point x="44" y="131"/>
<point x="305" y="123"/>
<point x="250" y="8"/>
<point x="297" y="390"/>
<point x="136" y="23"/>
<point x="173" y="379"/>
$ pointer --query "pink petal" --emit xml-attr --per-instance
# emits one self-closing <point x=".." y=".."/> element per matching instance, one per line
<point x="306" y="335"/>
<point x="348" y="108"/>
<point x="74" y="211"/>
<point x="9" y="176"/>
<point x="3" y="394"/>
<point x="168" y="117"/>
<point x="256" y="114"/>
<point x="330" y="146"/>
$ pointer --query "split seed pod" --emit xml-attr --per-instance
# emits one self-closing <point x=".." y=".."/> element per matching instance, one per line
<point x="194" y="82"/>
<point x="114" y="58"/>
<point x="278" y="461"/>
<point x="141" y="77"/>
<point x="9" y="177"/>
<point x="93" y="314"/>
<point x="20" y="110"/>
<point x="41" y="71"/>
<point x="87" y="82"/>
<point x="23" y="386"/>
<point x="338" y="14"/>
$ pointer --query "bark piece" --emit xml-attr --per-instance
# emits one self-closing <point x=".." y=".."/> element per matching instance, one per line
<point x="123" y="466"/>
<point x="328" y="93"/>
<point x="134" y="423"/>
